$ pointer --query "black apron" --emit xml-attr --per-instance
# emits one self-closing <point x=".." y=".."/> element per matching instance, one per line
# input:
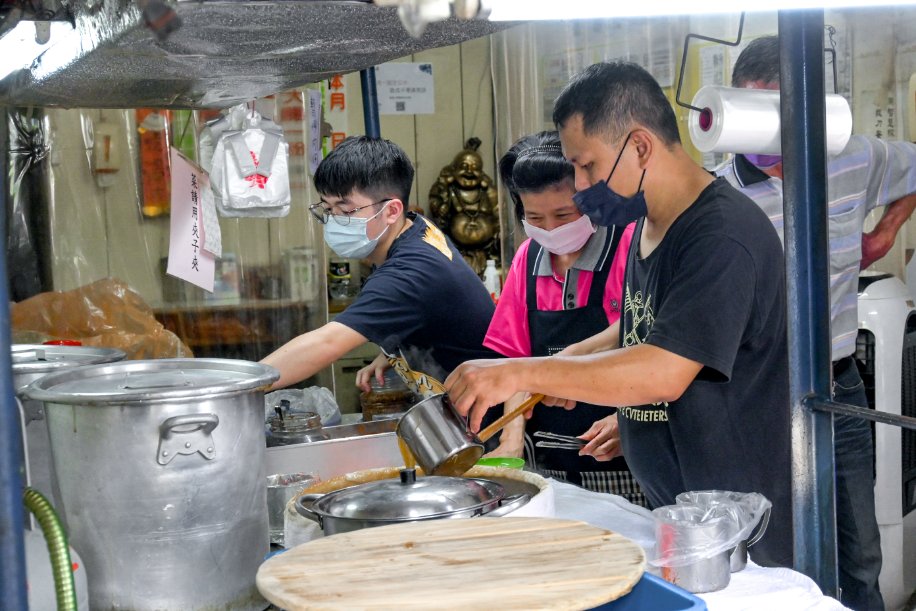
<point x="551" y="332"/>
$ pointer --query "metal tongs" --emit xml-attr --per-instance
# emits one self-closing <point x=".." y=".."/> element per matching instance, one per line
<point x="560" y="442"/>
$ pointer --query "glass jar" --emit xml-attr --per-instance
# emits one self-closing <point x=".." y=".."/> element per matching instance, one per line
<point x="389" y="399"/>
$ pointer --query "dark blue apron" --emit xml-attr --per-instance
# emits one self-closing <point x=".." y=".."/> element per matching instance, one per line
<point x="551" y="332"/>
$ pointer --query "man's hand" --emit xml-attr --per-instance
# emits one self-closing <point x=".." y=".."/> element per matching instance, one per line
<point x="877" y="242"/>
<point x="603" y="440"/>
<point x="376" y="368"/>
<point x="475" y="386"/>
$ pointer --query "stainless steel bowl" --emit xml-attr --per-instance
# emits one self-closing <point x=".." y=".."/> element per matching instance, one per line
<point x="408" y="499"/>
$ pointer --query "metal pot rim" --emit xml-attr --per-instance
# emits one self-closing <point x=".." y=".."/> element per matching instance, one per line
<point x="66" y="357"/>
<point x="251" y="376"/>
<point x="320" y="505"/>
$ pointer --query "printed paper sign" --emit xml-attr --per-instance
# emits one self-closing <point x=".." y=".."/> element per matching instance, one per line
<point x="212" y="235"/>
<point x="314" y="106"/>
<point x="187" y="258"/>
<point x="405" y="89"/>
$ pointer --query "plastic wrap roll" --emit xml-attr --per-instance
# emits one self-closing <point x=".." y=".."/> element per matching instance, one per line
<point x="747" y="121"/>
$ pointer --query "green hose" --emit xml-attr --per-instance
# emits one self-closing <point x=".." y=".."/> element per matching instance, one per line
<point x="58" y="548"/>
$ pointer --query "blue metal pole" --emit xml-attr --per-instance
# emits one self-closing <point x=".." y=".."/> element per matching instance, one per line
<point x="13" y="591"/>
<point x="801" y="51"/>
<point x="370" y="102"/>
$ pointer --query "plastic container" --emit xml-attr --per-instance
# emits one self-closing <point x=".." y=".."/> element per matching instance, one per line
<point x="491" y="280"/>
<point x="655" y="594"/>
<point x="507" y="462"/>
<point x="281" y="487"/>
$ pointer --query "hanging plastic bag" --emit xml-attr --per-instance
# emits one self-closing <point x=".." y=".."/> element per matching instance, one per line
<point x="250" y="169"/>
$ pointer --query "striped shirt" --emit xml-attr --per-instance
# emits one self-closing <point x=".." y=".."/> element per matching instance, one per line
<point x="868" y="173"/>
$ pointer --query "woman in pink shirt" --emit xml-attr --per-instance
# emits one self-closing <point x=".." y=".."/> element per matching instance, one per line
<point x="564" y="286"/>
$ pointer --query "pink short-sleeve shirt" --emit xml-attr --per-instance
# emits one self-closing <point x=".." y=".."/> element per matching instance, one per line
<point x="508" y="333"/>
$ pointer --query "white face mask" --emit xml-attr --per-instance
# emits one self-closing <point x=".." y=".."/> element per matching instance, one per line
<point x="352" y="241"/>
<point x="565" y="238"/>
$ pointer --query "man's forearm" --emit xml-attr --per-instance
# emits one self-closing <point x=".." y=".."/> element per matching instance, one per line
<point x="309" y="353"/>
<point x="637" y="375"/>
<point x="877" y="242"/>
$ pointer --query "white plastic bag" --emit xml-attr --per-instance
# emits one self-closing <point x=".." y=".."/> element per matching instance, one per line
<point x="705" y="523"/>
<point x="249" y="171"/>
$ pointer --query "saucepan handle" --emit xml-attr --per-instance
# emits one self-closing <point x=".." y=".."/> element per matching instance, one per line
<point x="502" y="421"/>
<point x="304" y="507"/>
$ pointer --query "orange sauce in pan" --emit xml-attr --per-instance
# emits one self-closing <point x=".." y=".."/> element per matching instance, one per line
<point x="409" y="461"/>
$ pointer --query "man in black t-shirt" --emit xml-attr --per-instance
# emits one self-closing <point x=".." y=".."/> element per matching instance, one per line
<point x="698" y="364"/>
<point x="422" y="298"/>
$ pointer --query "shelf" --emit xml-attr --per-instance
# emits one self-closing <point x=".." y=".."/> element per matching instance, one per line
<point x="249" y="330"/>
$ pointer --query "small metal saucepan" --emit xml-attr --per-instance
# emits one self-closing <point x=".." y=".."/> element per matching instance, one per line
<point x="439" y="438"/>
<point x="408" y="500"/>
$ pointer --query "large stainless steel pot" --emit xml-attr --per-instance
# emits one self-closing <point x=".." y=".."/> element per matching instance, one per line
<point x="31" y="362"/>
<point x="406" y="500"/>
<point x="159" y="466"/>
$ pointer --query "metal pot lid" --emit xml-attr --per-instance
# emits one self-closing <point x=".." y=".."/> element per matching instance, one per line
<point x="152" y="380"/>
<point x="411" y="500"/>
<point x="40" y="358"/>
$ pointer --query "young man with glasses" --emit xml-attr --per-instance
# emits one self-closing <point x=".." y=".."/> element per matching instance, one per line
<point x="422" y="297"/>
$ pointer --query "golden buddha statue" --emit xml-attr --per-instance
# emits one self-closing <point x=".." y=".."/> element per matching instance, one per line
<point x="463" y="203"/>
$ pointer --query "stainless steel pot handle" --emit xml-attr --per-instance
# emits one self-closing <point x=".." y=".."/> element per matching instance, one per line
<point x="186" y="434"/>
<point x="304" y="508"/>
<point x="508" y="504"/>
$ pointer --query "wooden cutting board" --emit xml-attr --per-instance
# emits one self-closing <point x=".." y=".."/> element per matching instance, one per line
<point x="505" y="563"/>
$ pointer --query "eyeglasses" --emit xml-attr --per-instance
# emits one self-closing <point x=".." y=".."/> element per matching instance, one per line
<point x="323" y="213"/>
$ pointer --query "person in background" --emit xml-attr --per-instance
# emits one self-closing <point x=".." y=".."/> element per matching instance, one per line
<point x="564" y="286"/>
<point x="422" y="297"/>
<point x="868" y="173"/>
<point x="699" y="374"/>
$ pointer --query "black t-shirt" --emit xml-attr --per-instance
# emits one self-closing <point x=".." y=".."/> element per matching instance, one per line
<point x="425" y="300"/>
<point x="713" y="291"/>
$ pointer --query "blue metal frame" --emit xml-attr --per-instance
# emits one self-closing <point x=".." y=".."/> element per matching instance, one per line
<point x="370" y="102"/>
<point x="801" y="49"/>
<point x="13" y="592"/>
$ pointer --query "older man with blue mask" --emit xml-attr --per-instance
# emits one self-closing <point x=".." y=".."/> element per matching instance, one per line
<point x="868" y="173"/>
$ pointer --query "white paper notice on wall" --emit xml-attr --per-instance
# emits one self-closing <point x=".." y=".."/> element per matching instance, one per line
<point x="314" y="119"/>
<point x="405" y="89"/>
<point x="212" y="235"/>
<point x="187" y="258"/>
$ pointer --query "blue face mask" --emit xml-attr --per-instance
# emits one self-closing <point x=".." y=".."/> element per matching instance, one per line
<point x="352" y="241"/>
<point x="605" y="207"/>
<point x="763" y="162"/>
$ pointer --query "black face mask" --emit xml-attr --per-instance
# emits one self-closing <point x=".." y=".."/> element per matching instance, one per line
<point x="605" y="207"/>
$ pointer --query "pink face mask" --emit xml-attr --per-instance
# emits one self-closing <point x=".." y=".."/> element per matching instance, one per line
<point x="764" y="162"/>
<point x="565" y="238"/>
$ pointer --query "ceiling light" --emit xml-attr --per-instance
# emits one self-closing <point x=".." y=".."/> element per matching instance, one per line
<point x="532" y="10"/>
<point x="19" y="48"/>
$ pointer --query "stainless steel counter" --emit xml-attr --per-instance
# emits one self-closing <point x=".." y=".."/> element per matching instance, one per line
<point x="350" y="447"/>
